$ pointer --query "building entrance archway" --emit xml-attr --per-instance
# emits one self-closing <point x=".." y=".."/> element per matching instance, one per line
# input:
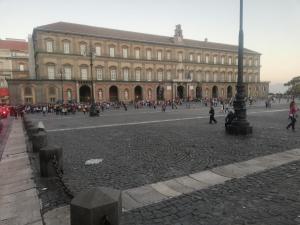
<point x="215" y="92"/>
<point x="229" y="92"/>
<point x="160" y="93"/>
<point x="180" y="92"/>
<point x="198" y="92"/>
<point x="138" y="93"/>
<point x="113" y="94"/>
<point x="85" y="93"/>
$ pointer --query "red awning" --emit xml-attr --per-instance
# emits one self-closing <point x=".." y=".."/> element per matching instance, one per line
<point x="4" y="92"/>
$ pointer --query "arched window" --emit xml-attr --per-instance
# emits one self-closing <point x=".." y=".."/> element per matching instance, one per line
<point x="125" y="52"/>
<point x="207" y="59"/>
<point x="99" y="73"/>
<point x="215" y="76"/>
<point x="168" y="75"/>
<point x="66" y="46"/>
<point x="148" y="52"/>
<point x="112" y="51"/>
<point x="215" y="59"/>
<point x="83" y="48"/>
<point x="68" y="72"/>
<point x="28" y="91"/>
<point x="51" y="71"/>
<point x="159" y="55"/>
<point x="160" y="75"/>
<point x="230" y="60"/>
<point x="49" y="45"/>
<point x="21" y="67"/>
<point x="84" y="73"/>
<point x="98" y="50"/>
<point x="138" y="74"/>
<point x="137" y="53"/>
<point x="125" y="74"/>
<point x="149" y="75"/>
<point x="113" y="73"/>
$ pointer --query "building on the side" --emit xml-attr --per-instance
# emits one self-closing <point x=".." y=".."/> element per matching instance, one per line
<point x="13" y="64"/>
<point x="72" y="60"/>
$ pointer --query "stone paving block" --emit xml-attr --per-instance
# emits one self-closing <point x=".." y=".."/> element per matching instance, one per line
<point x="23" y="185"/>
<point x="128" y="203"/>
<point x="190" y="182"/>
<point x="16" y="178"/>
<point x="178" y="187"/>
<point x="19" y="197"/>
<point x="58" y="216"/>
<point x="209" y="177"/>
<point x="231" y="170"/>
<point x="146" y="194"/>
<point x="39" y="222"/>
<point x="165" y="190"/>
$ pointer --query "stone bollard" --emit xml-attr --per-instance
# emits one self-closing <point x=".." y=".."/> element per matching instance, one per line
<point x="97" y="206"/>
<point x="32" y="130"/>
<point x="51" y="160"/>
<point x="39" y="140"/>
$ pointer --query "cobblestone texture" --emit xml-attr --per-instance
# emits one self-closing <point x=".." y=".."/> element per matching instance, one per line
<point x="141" y="154"/>
<point x="271" y="197"/>
<point x="4" y="133"/>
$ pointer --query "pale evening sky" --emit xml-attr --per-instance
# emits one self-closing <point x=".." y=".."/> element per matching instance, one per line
<point x="272" y="27"/>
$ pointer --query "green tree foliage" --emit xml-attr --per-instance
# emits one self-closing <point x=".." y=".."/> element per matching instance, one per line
<point x="294" y="86"/>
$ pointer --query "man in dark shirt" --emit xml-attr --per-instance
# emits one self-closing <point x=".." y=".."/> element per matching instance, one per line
<point x="212" y="115"/>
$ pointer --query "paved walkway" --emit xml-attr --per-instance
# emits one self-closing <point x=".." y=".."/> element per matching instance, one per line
<point x="19" y="203"/>
<point x="154" y="193"/>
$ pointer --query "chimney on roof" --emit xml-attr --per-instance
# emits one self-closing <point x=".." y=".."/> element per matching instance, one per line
<point x="206" y="40"/>
<point x="178" y="37"/>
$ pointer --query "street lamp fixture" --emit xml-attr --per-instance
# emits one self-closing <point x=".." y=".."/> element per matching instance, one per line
<point x="240" y="125"/>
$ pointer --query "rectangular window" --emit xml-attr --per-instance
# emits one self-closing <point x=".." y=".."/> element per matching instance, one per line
<point x="113" y="74"/>
<point x="28" y="100"/>
<point x="98" y="51"/>
<point x="180" y="57"/>
<point x="168" y="55"/>
<point x="68" y="73"/>
<point x="160" y="75"/>
<point x="191" y="57"/>
<point x="21" y="67"/>
<point x="84" y="73"/>
<point x="250" y="62"/>
<point x="52" y="100"/>
<point x="236" y="61"/>
<point x="159" y="53"/>
<point x="207" y="77"/>
<point x="215" y="59"/>
<point x="229" y="77"/>
<point x="168" y="75"/>
<point x="149" y="75"/>
<point x="112" y="52"/>
<point x="82" y="49"/>
<point x="99" y="73"/>
<point x="222" y="60"/>
<point x="198" y="58"/>
<point x="125" y="52"/>
<point x="51" y="72"/>
<point x="137" y="53"/>
<point x="206" y="59"/>
<point x="49" y="46"/>
<point x="66" y="47"/>
<point x="138" y="75"/>
<point x="126" y="74"/>
<point x="149" y="54"/>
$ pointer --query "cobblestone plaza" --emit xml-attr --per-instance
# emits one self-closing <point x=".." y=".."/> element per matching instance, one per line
<point x="146" y="146"/>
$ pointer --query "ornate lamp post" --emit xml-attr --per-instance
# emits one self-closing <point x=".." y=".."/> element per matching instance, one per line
<point x="93" y="110"/>
<point x="62" y="85"/>
<point x="240" y="125"/>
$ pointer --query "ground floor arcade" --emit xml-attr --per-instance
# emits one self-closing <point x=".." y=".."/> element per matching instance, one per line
<point x="51" y="91"/>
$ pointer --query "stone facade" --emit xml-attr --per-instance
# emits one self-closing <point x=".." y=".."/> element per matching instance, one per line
<point x="125" y="66"/>
<point x="13" y="64"/>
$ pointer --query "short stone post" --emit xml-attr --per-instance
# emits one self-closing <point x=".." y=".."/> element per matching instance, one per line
<point x="51" y="161"/>
<point x="39" y="140"/>
<point x="31" y="131"/>
<point x="97" y="206"/>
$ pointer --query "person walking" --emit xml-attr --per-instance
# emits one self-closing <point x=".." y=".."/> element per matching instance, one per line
<point x="292" y="115"/>
<point x="212" y="115"/>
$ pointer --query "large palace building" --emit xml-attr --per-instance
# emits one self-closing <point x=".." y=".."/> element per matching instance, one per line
<point x="73" y="61"/>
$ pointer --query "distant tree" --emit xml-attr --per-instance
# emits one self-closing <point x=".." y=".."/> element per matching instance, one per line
<point x="293" y="86"/>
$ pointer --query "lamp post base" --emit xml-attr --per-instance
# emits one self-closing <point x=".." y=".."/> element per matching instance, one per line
<point x="93" y="110"/>
<point x="239" y="128"/>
